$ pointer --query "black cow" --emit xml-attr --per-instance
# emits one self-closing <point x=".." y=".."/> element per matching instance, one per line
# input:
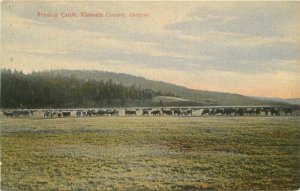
<point x="49" y="114"/>
<point x="166" y="111"/>
<point x="229" y="111"/>
<point x="101" y="112"/>
<point x="251" y="111"/>
<point x="177" y="111"/>
<point x="88" y="113"/>
<point x="66" y="113"/>
<point x="246" y="111"/>
<point x="145" y="112"/>
<point x="257" y="111"/>
<point x="189" y="112"/>
<point x="205" y="111"/>
<point x="156" y="112"/>
<point x="266" y="110"/>
<point x="79" y="114"/>
<point x="219" y="111"/>
<point x="288" y="111"/>
<point x="112" y="112"/>
<point x="240" y="112"/>
<point x="274" y="111"/>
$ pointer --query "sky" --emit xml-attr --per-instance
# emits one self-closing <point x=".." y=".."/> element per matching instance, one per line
<point x="249" y="48"/>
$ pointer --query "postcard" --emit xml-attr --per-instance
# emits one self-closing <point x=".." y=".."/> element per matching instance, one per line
<point x="158" y="95"/>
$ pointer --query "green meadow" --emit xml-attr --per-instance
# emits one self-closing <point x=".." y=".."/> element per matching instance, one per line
<point x="150" y="153"/>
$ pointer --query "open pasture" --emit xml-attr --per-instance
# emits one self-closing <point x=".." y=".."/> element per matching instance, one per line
<point x="150" y="153"/>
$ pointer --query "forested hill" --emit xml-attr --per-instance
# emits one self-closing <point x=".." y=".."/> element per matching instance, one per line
<point x="204" y="97"/>
<point x="50" y="90"/>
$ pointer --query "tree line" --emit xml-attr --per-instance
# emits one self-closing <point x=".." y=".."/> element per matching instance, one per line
<point x="48" y="90"/>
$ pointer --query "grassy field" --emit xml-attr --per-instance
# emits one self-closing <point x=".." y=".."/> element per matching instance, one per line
<point x="149" y="153"/>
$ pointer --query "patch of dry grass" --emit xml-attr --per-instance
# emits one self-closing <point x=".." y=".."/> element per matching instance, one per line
<point x="147" y="153"/>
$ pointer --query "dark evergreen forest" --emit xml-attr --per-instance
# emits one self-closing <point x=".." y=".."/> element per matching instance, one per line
<point x="50" y="90"/>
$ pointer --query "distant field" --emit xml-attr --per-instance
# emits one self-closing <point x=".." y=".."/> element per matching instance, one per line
<point x="150" y="153"/>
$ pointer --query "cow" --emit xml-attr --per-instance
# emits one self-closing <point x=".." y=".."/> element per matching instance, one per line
<point x="205" y="111"/>
<point x="177" y="111"/>
<point x="229" y="111"/>
<point x="145" y="112"/>
<point x="108" y="112"/>
<point x="275" y="111"/>
<point x="116" y="112"/>
<point x="219" y="111"/>
<point x="130" y="112"/>
<point x="84" y="113"/>
<point x="112" y="112"/>
<point x="266" y="110"/>
<point x="212" y="112"/>
<point x="155" y="112"/>
<point x="240" y="112"/>
<point x="257" y="111"/>
<point x="79" y="114"/>
<point x="53" y="114"/>
<point x="251" y="111"/>
<point x="189" y="112"/>
<point x="183" y="112"/>
<point x="23" y="113"/>
<point x="66" y="113"/>
<point x="8" y="114"/>
<point x="288" y="111"/>
<point x="101" y="112"/>
<point x="93" y="112"/>
<point x="246" y="111"/>
<point x="90" y="113"/>
<point x="127" y="112"/>
<point x="49" y="114"/>
<point x="166" y="111"/>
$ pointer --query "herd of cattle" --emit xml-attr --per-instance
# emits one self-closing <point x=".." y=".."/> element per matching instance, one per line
<point x="219" y="111"/>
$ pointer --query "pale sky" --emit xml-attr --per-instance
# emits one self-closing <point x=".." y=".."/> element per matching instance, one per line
<point x="249" y="48"/>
